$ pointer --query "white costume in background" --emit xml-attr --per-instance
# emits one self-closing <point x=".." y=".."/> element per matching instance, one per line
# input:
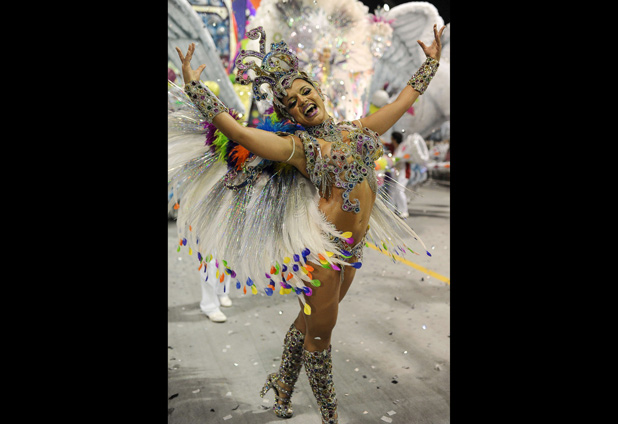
<point x="413" y="151"/>
<point x="214" y="292"/>
<point x="400" y="200"/>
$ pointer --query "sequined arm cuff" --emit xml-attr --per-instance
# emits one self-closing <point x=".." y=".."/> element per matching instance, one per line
<point x="420" y="80"/>
<point x="205" y="100"/>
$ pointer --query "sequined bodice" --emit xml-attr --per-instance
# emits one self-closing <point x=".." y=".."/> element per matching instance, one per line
<point x="352" y="159"/>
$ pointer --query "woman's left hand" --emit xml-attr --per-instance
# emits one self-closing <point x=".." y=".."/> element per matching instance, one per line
<point x="435" y="48"/>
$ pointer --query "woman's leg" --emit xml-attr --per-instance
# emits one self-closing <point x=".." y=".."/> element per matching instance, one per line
<point x="324" y="303"/>
<point x="284" y="380"/>
<point x="317" y="360"/>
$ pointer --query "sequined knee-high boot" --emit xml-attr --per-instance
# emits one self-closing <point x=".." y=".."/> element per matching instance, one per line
<point x="319" y="369"/>
<point x="291" y="362"/>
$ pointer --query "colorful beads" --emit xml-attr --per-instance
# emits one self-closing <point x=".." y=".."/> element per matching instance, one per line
<point x="420" y="80"/>
<point x="209" y="105"/>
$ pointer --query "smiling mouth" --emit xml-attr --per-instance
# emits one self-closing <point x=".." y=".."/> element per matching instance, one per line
<point x="310" y="110"/>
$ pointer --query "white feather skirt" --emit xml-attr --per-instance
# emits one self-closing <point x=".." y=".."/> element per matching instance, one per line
<point x="262" y="234"/>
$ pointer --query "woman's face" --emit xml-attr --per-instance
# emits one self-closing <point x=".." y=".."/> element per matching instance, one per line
<point x="304" y="103"/>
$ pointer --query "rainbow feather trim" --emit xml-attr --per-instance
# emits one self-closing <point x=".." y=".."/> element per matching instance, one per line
<point x="233" y="153"/>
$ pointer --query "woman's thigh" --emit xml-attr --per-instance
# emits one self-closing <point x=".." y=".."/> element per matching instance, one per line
<point x="348" y="276"/>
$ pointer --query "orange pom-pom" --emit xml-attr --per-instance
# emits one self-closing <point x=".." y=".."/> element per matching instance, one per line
<point x="240" y="155"/>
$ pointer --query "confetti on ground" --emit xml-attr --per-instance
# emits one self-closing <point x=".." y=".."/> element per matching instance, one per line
<point x="227" y="417"/>
<point x="391" y="412"/>
<point x="386" y="419"/>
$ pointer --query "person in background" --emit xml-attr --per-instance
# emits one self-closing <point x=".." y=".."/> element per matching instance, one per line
<point x="214" y="291"/>
<point x="402" y="175"/>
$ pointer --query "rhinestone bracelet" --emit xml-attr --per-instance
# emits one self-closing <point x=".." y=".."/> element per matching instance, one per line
<point x="205" y="100"/>
<point x="420" y="80"/>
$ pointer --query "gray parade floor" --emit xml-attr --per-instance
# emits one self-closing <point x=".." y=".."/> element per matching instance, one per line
<point x="391" y="345"/>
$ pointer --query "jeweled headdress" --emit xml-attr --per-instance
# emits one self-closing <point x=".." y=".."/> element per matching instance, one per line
<point x="279" y="68"/>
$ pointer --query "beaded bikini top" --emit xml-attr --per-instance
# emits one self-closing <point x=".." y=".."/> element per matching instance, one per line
<point x="351" y="159"/>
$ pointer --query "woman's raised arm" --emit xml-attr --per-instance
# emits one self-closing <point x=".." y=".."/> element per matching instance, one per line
<point x="381" y="120"/>
<point x="265" y="144"/>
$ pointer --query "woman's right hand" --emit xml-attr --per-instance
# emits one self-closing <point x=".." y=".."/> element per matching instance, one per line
<point x="189" y="74"/>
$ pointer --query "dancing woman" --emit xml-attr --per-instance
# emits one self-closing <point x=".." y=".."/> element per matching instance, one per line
<point x="338" y="160"/>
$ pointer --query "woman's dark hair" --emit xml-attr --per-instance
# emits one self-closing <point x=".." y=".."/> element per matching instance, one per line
<point x="397" y="136"/>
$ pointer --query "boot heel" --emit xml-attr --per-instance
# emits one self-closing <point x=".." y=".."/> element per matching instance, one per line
<point x="268" y="385"/>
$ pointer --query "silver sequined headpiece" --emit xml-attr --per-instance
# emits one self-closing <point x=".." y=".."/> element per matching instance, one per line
<point x="279" y="68"/>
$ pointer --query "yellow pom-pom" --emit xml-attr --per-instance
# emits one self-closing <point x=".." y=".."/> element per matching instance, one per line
<point x="307" y="309"/>
<point x="286" y="260"/>
<point x="347" y="234"/>
<point x="381" y="164"/>
<point x="190" y="251"/>
<point x="214" y="87"/>
<point x="331" y="253"/>
<point x="253" y="289"/>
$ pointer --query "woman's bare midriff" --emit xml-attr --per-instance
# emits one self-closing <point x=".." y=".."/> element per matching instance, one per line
<point x="349" y="221"/>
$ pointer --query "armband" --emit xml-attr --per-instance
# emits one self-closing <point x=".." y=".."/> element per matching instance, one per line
<point x="205" y="100"/>
<point x="420" y="80"/>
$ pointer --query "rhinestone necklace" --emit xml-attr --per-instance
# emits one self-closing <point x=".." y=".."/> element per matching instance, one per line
<point x="327" y="130"/>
